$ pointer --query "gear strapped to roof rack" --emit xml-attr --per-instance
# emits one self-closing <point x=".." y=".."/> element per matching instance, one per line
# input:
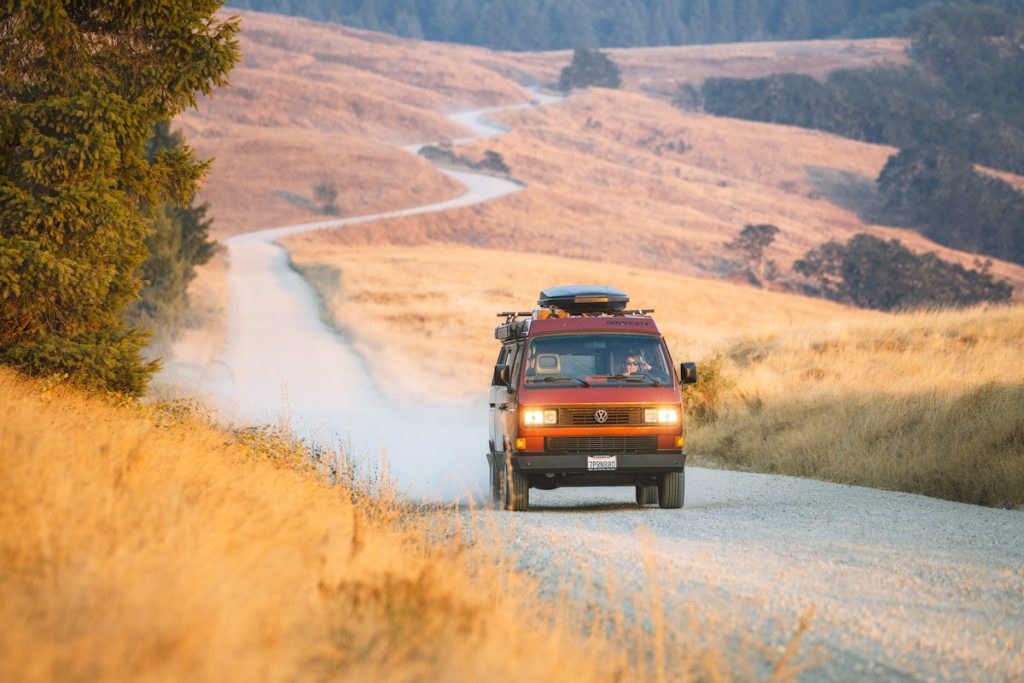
<point x="565" y="302"/>
<point x="576" y="299"/>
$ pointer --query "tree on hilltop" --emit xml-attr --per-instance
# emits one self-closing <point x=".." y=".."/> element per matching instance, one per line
<point x="82" y="83"/>
<point x="589" y="67"/>
<point x="750" y="244"/>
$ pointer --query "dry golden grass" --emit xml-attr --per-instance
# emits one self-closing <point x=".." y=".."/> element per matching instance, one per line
<point x="609" y="181"/>
<point x="429" y="310"/>
<point x="144" y="544"/>
<point x="929" y="403"/>
<point x="312" y="102"/>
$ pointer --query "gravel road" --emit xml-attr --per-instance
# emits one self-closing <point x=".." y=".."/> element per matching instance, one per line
<point x="904" y="587"/>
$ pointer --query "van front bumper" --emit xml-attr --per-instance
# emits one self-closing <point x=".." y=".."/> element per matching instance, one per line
<point x="626" y="463"/>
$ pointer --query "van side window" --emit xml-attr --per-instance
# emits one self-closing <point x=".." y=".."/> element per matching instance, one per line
<point x="514" y="363"/>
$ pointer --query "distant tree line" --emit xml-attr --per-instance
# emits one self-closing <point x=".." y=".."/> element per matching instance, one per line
<point x="964" y="90"/>
<point x="961" y="102"/>
<point x="559" y="24"/>
<point x="946" y="199"/>
<point x="882" y="274"/>
<point x="869" y="272"/>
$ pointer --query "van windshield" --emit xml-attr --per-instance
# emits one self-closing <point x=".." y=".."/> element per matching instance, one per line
<point x="596" y="359"/>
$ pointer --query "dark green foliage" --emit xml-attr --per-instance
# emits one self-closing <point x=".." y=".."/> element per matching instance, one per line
<point x="965" y="91"/>
<point x="493" y="161"/>
<point x="873" y="273"/>
<point x="179" y="242"/>
<point x="750" y="244"/>
<point x="702" y="401"/>
<point x="326" y="192"/>
<point x="940" y="192"/>
<point x="589" y="67"/>
<point x="560" y="24"/>
<point x="81" y="86"/>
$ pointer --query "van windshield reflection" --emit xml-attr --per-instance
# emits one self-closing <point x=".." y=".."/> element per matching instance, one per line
<point x="596" y="360"/>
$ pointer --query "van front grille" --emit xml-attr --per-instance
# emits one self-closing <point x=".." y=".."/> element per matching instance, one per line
<point x="580" y="417"/>
<point x="600" y="444"/>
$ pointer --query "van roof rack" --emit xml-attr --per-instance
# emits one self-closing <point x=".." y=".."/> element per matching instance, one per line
<point x="575" y="299"/>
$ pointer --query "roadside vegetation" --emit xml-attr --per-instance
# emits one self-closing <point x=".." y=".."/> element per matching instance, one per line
<point x="929" y="403"/>
<point x="144" y="543"/>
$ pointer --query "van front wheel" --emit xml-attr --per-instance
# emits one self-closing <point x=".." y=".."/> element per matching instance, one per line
<point x="671" y="489"/>
<point x="495" y="484"/>
<point x="516" y="489"/>
<point x="646" y="495"/>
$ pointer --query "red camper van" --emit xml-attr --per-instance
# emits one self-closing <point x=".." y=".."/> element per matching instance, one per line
<point x="584" y="393"/>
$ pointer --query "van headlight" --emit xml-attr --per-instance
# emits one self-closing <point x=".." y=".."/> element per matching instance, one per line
<point x="539" y="417"/>
<point x="664" y="416"/>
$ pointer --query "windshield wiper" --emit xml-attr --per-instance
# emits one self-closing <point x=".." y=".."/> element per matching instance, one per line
<point x="559" y="378"/>
<point x="636" y="377"/>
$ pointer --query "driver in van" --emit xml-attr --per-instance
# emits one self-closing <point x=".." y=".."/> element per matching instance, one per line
<point x="634" y="364"/>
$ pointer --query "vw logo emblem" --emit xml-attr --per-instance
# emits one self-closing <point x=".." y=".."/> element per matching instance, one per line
<point x="600" y="416"/>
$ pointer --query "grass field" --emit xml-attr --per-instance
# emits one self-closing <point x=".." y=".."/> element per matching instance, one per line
<point x="929" y="403"/>
<point x="313" y="102"/>
<point x="144" y="543"/>
<point x="622" y="178"/>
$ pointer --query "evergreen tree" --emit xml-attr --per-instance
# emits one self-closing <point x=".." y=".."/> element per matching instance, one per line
<point x="179" y="242"/>
<point x="81" y="85"/>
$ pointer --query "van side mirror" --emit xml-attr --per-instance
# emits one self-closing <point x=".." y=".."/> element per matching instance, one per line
<point x="500" y="378"/>
<point x="687" y="373"/>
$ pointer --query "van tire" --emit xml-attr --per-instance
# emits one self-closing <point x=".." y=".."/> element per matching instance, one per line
<point x="495" y="484"/>
<point x="671" y="489"/>
<point x="516" y="490"/>
<point x="647" y="495"/>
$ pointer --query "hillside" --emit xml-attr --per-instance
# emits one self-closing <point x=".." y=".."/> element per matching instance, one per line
<point x="314" y="102"/>
<point x="614" y="177"/>
<point x="311" y="103"/>
<point x="622" y="178"/>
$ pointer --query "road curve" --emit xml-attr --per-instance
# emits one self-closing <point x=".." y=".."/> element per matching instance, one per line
<point x="282" y="360"/>
<point x="905" y="587"/>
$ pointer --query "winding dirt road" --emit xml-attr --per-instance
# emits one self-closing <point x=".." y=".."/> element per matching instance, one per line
<point x="905" y="587"/>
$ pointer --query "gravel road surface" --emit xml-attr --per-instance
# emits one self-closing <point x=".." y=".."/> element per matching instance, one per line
<point x="904" y="587"/>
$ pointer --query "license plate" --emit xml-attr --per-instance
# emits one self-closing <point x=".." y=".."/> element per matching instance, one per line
<point x="601" y="462"/>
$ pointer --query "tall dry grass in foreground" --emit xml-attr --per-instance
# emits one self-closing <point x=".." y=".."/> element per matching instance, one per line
<point x="144" y="544"/>
<point x="929" y="403"/>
